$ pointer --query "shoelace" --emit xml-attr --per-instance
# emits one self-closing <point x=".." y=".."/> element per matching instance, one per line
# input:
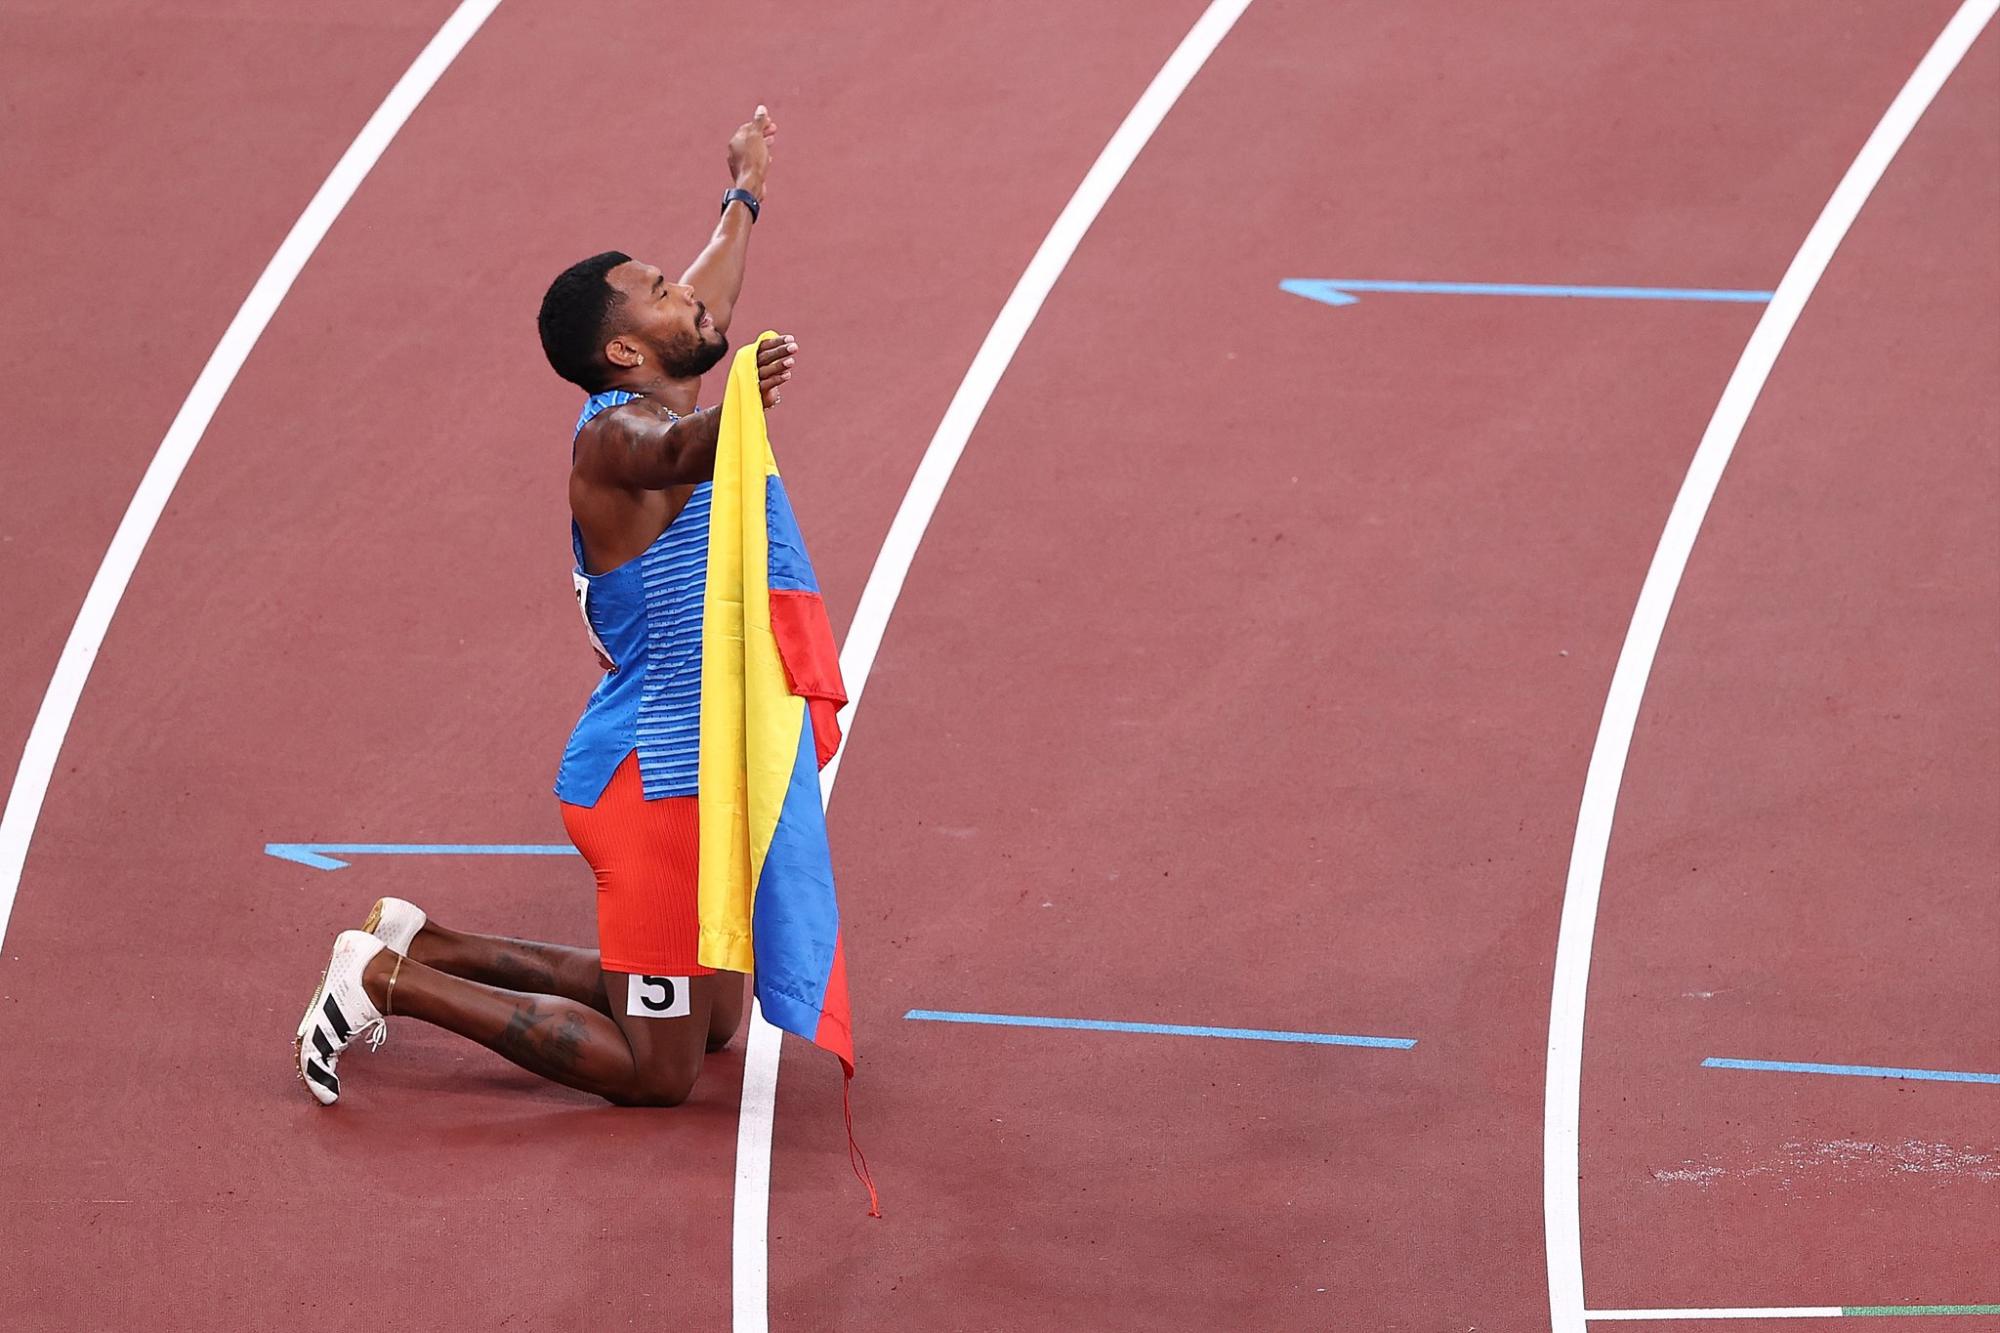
<point x="377" y="1033"/>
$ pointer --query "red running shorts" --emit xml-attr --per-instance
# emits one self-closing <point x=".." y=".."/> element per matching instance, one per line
<point x="646" y="856"/>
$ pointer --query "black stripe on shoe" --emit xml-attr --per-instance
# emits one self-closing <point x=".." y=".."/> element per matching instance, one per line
<point x="322" y="1045"/>
<point x="341" y="1031"/>
<point x="325" y="1078"/>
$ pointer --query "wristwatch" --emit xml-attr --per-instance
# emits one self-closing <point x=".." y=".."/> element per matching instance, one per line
<point x="747" y="199"/>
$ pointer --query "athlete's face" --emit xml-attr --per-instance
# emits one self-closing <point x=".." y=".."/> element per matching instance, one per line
<point x="663" y="321"/>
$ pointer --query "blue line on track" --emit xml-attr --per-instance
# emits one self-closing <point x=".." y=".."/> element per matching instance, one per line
<point x="316" y="854"/>
<point x="1854" y="1071"/>
<point x="1161" y="1029"/>
<point x="1336" y="291"/>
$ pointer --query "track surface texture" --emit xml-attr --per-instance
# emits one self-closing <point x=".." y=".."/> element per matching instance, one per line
<point x="1805" y="864"/>
<point x="1246" y="677"/>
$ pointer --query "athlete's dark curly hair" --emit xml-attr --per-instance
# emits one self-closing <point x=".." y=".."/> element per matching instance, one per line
<point x="575" y="310"/>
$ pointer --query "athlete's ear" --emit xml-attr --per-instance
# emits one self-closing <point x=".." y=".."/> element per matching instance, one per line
<point x="623" y="354"/>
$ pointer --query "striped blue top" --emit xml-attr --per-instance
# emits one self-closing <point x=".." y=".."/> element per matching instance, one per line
<point x="645" y="616"/>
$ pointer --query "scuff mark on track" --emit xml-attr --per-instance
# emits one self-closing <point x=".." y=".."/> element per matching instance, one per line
<point x="1803" y="1163"/>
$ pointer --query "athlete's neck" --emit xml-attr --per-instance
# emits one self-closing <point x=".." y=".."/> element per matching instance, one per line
<point x="677" y="395"/>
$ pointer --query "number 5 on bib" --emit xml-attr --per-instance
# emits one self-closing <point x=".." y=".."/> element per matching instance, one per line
<point x="656" y="997"/>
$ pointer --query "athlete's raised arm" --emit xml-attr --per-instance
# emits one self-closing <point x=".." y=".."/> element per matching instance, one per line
<point x="717" y="274"/>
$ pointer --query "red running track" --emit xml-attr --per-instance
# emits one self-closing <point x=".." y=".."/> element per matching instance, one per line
<point x="155" y="157"/>
<point x="1263" y="642"/>
<point x="1805" y="865"/>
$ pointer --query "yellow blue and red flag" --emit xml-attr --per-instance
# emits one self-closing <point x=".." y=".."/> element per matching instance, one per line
<point x="770" y="695"/>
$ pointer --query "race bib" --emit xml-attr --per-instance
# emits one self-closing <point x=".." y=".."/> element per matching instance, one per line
<point x="582" y="585"/>
<point x="656" y="997"/>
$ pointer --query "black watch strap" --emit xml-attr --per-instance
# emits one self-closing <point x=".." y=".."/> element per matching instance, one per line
<point x="747" y="199"/>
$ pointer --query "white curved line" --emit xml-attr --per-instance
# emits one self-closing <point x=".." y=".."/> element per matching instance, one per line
<point x="1561" y="1107"/>
<point x="750" y="1254"/>
<point x="107" y="589"/>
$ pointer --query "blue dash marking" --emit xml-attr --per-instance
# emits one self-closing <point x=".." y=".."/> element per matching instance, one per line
<point x="1855" y="1071"/>
<point x="1161" y="1029"/>
<point x="1336" y="291"/>
<point x="315" y="854"/>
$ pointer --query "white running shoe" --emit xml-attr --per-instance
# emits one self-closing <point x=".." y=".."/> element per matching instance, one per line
<point x="340" y="1011"/>
<point x="395" y="922"/>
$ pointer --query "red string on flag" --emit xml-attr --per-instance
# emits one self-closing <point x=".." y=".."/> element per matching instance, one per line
<point x="855" y="1157"/>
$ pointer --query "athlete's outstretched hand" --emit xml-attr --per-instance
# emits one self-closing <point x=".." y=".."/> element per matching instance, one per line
<point x="750" y="152"/>
<point x="774" y="365"/>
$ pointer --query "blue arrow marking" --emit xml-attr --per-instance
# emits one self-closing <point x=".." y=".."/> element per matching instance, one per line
<point x="1335" y="291"/>
<point x="1855" y="1071"/>
<point x="1159" y="1029"/>
<point x="315" y="854"/>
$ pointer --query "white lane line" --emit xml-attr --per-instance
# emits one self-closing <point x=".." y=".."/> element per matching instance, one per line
<point x="1561" y="1105"/>
<point x="750" y="1253"/>
<point x="1760" y="1312"/>
<point x="107" y="589"/>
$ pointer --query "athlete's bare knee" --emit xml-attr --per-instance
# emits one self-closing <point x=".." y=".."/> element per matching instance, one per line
<point x="668" y="1089"/>
<point x="665" y="1080"/>
<point x="648" y="1096"/>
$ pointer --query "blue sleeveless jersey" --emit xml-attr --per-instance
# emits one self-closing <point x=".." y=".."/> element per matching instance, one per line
<point x="645" y="616"/>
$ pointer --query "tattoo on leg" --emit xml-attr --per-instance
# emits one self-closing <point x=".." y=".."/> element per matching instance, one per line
<point x="524" y="973"/>
<point x="541" y="1041"/>
<point x="569" y="1039"/>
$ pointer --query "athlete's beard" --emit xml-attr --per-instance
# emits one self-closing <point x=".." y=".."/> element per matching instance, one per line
<point x="693" y="362"/>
